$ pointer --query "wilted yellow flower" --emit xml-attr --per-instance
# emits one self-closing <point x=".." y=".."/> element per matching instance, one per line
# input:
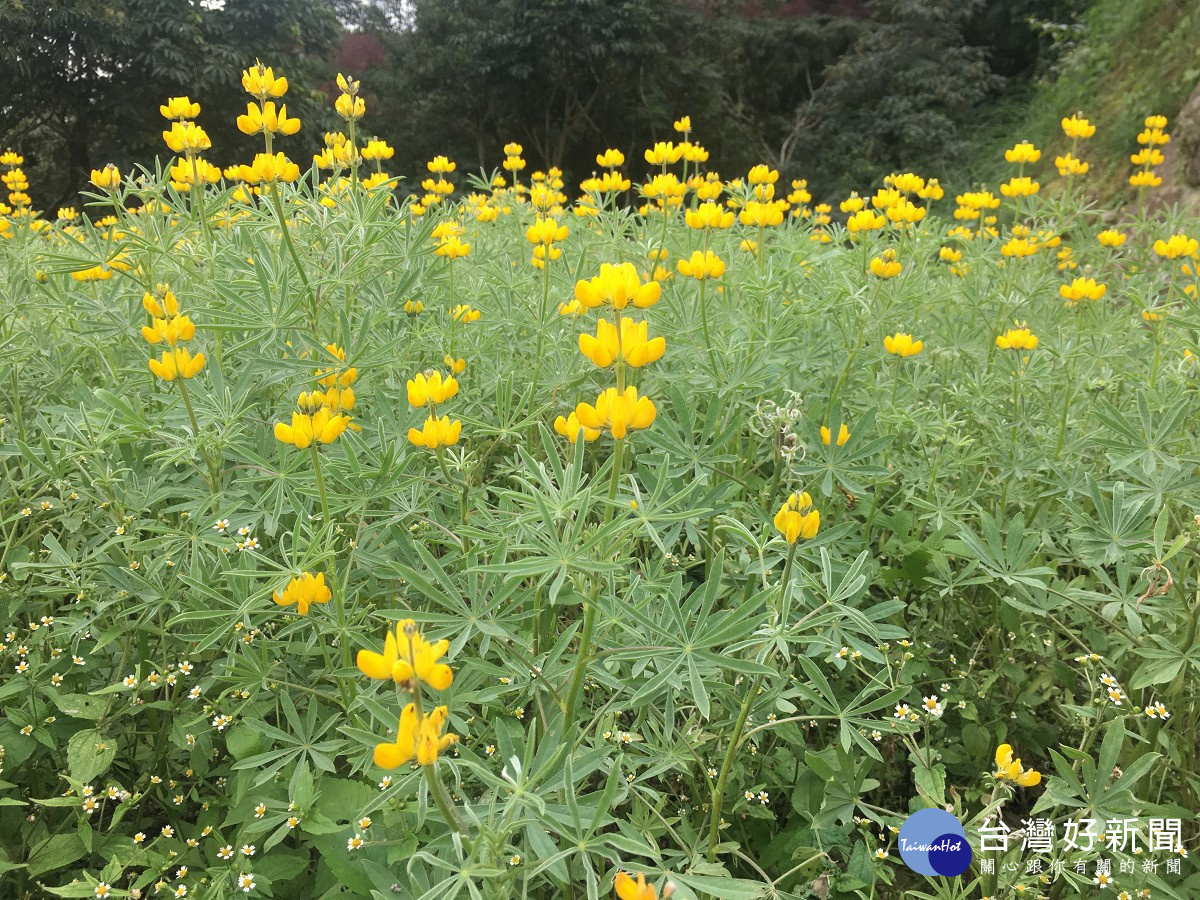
<point x="618" y="412"/>
<point x="827" y="436"/>
<point x="1009" y="769"/>
<point x="303" y="591"/>
<point x="177" y="363"/>
<point x="702" y="265"/>
<point x="436" y="432"/>
<point x="901" y="344"/>
<point x="797" y="518"/>
<point x="632" y="345"/>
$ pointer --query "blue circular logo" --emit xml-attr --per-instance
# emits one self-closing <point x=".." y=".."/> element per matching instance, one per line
<point x="933" y="842"/>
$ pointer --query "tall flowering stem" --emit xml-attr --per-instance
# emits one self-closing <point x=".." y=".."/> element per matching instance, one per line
<point x="739" y="727"/>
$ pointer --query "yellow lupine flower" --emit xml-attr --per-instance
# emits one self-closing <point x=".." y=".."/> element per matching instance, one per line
<point x="762" y="215"/>
<point x="797" y="518"/>
<point x="378" y="150"/>
<point x="864" y="220"/>
<point x="265" y="119"/>
<point x="170" y="332"/>
<point x="107" y="178"/>
<point x="1082" y="289"/>
<point x="827" y="436"/>
<point x="633" y="347"/>
<point x="902" y="345"/>
<point x="179" y="108"/>
<point x="269" y="167"/>
<point x="1009" y="769"/>
<point x="260" y="81"/>
<point x="1023" y="152"/>
<point x="628" y="889"/>
<point x="431" y="389"/>
<point x="1019" y="338"/>
<point x="1069" y="165"/>
<point x="1077" y="127"/>
<point x="611" y="159"/>
<point x="886" y="266"/>
<point x="417" y="737"/>
<point x="186" y="136"/>
<point x="1110" y="237"/>
<point x="1145" y="178"/>
<point x="436" y="432"/>
<point x="663" y="153"/>
<point x="570" y="428"/>
<point x="407" y="656"/>
<point x="1176" y="245"/>
<point x="618" y="285"/>
<point x="303" y="591"/>
<point x="464" y="313"/>
<point x="618" y="412"/>
<point x="1020" y="187"/>
<point x="349" y="107"/>
<point x="177" y="363"/>
<point x="701" y="265"/>
<point x="323" y="426"/>
<point x="162" y="303"/>
<point x="708" y="215"/>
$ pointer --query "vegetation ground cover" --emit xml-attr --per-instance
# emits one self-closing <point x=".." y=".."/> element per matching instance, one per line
<point x="682" y="538"/>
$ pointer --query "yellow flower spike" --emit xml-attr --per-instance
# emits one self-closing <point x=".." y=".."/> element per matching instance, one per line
<point x="827" y="436"/>
<point x="162" y="303"/>
<point x="546" y="231"/>
<point x="426" y="390"/>
<point x="179" y="108"/>
<point x="260" y="81"/>
<point x="107" y="178"/>
<point x="634" y="347"/>
<point x="436" y="432"/>
<point x="618" y="412"/>
<point x="407" y="655"/>
<point x="177" y="363"/>
<point x="269" y="168"/>
<point x="619" y="286"/>
<point x="1009" y="769"/>
<point x="1082" y="289"/>
<point x="1023" y="152"/>
<point x="303" y="591"/>
<point x="886" y="266"/>
<point x="864" y="219"/>
<point x="403" y="749"/>
<point x="186" y="137"/>
<point x="797" y="518"/>
<point x="1176" y="245"/>
<point x="570" y="428"/>
<point x="902" y="345"/>
<point x="708" y="215"/>
<point x="430" y="741"/>
<point x="350" y="107"/>
<point x="1019" y="338"/>
<point x="265" y="119"/>
<point x="628" y="889"/>
<point x="170" y="332"/>
<point x="701" y="265"/>
<point x="1077" y="127"/>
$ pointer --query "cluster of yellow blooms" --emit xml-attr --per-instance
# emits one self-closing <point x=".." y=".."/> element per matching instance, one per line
<point x="1076" y="128"/>
<point x="1019" y="338"/>
<point x="170" y="328"/>
<point x="1149" y="156"/>
<point x="322" y="415"/>
<point x="624" y="342"/>
<point x="411" y="661"/>
<point x="798" y="518"/>
<point x="188" y="138"/>
<point x="429" y="389"/>
<point x="261" y="83"/>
